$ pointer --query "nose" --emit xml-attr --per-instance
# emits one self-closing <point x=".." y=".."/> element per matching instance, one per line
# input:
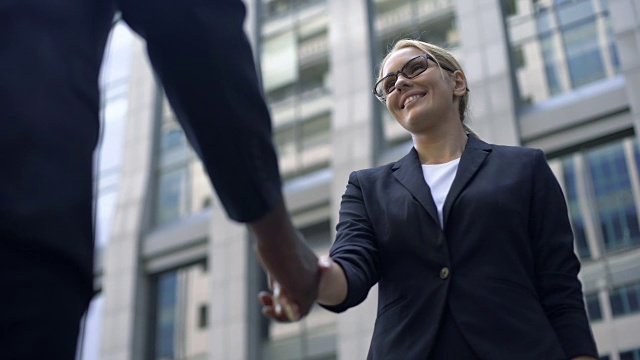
<point x="402" y="81"/>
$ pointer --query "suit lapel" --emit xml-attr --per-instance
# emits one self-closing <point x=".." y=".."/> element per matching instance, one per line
<point x="474" y="154"/>
<point x="408" y="172"/>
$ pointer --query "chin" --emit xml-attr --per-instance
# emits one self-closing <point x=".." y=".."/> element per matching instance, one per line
<point x="417" y="124"/>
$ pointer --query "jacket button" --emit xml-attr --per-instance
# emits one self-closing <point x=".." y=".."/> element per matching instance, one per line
<point x="444" y="273"/>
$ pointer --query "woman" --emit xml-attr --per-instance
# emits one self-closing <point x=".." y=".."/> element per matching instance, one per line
<point x="469" y="242"/>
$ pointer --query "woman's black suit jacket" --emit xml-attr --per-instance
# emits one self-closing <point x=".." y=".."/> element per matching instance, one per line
<point x="504" y="262"/>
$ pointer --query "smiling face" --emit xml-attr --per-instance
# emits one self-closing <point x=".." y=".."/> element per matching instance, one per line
<point x="426" y="100"/>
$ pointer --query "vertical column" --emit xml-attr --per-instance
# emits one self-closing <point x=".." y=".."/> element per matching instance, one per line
<point x="486" y="64"/>
<point x="625" y="19"/>
<point x="352" y="135"/>
<point x="125" y="305"/>
<point x="228" y="256"/>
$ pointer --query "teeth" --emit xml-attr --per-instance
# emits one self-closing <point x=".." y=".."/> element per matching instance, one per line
<point x="410" y="99"/>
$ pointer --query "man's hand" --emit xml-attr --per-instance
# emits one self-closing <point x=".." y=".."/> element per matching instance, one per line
<point x="288" y="259"/>
<point x="277" y="305"/>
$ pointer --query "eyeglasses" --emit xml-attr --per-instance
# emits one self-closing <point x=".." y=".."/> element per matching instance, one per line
<point x="409" y="70"/>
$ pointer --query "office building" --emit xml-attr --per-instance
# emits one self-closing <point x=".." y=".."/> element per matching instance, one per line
<point x="179" y="280"/>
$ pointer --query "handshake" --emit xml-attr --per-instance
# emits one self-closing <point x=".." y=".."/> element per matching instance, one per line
<point x="296" y="276"/>
<point x="291" y="299"/>
<point x="283" y="304"/>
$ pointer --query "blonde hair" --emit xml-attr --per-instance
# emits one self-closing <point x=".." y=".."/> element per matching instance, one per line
<point x="442" y="58"/>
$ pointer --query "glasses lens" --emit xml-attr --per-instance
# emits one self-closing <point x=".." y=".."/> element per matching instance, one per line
<point x="411" y="69"/>
<point x="385" y="86"/>
<point x="415" y="67"/>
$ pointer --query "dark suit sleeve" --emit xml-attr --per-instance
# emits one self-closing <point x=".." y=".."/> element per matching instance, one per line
<point x="355" y="248"/>
<point x="556" y="264"/>
<point x="201" y="55"/>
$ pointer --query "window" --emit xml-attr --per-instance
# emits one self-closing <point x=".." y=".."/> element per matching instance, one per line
<point x="568" y="44"/>
<point x="165" y="315"/>
<point x="295" y="72"/>
<point x="511" y="7"/>
<point x="182" y="186"/>
<point x="279" y="61"/>
<point x="593" y="307"/>
<point x="599" y="190"/>
<point x="575" y="215"/>
<point x="171" y="195"/>
<point x="180" y="313"/>
<point x="630" y="355"/>
<point x="518" y="57"/>
<point x="277" y="8"/>
<point x="583" y="54"/>
<point x="203" y="317"/>
<point x="173" y="139"/>
<point x="625" y="299"/>
<point x="614" y="197"/>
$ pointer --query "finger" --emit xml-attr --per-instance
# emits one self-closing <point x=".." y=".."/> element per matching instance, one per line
<point x="269" y="312"/>
<point x="283" y="304"/>
<point x="265" y="298"/>
<point x="276" y="298"/>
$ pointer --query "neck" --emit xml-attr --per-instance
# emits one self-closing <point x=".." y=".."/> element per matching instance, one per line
<point x="442" y="145"/>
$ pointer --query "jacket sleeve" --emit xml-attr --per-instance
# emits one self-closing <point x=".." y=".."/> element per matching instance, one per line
<point x="355" y="248"/>
<point x="556" y="264"/>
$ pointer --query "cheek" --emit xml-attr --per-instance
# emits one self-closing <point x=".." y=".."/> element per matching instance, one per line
<point x="394" y="112"/>
<point x="391" y="108"/>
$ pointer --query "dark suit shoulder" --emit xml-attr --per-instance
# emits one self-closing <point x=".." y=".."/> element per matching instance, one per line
<point x="516" y="152"/>
<point x="373" y="173"/>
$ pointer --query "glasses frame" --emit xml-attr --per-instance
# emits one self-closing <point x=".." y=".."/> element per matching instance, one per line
<point x="427" y="57"/>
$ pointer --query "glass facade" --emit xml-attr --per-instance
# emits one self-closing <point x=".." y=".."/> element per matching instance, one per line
<point x="560" y="45"/>
<point x="625" y="299"/>
<point x="594" y="311"/>
<point x="294" y="59"/>
<point x="180" y="311"/>
<point x="433" y="21"/>
<point x="614" y="198"/>
<point x="630" y="355"/>
<point x="599" y="188"/>
<point x="182" y="187"/>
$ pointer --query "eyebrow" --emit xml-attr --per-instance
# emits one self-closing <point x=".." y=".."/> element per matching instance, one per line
<point x="405" y="63"/>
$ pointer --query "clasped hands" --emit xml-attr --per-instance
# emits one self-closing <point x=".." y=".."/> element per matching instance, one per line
<point x="277" y="303"/>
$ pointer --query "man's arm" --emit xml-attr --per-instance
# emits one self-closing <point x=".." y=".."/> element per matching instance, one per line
<point x="200" y="53"/>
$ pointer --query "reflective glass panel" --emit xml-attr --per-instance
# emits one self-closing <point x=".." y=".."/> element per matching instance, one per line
<point x="614" y="197"/>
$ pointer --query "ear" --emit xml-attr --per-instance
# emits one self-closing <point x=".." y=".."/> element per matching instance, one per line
<point x="460" y="83"/>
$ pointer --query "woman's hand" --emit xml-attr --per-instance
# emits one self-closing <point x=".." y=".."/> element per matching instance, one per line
<point x="278" y="306"/>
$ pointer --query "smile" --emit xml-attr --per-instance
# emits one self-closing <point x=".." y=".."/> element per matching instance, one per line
<point x="411" y="99"/>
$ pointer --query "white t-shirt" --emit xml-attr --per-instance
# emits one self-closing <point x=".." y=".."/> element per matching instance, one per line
<point x="439" y="177"/>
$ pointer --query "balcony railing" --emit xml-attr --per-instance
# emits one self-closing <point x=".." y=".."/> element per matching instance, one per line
<point x="421" y="11"/>
<point x="300" y="107"/>
<point x="313" y="50"/>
